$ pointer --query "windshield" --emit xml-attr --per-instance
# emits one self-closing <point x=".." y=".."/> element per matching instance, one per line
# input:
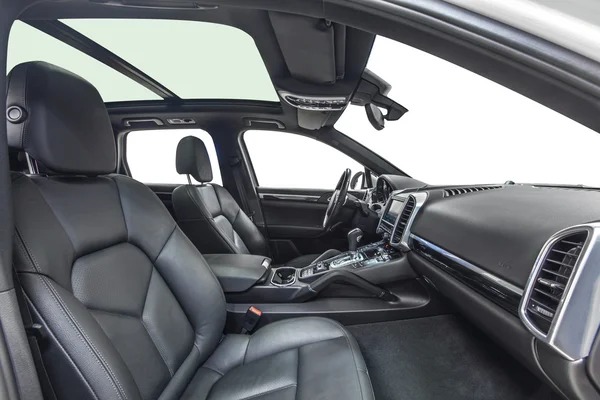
<point x="462" y="128"/>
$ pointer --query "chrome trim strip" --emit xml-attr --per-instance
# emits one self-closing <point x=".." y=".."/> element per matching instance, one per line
<point x="285" y="196"/>
<point x="577" y="316"/>
<point x="484" y="274"/>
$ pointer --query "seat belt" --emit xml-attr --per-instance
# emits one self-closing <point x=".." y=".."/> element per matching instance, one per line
<point x="34" y="333"/>
<point x="235" y="164"/>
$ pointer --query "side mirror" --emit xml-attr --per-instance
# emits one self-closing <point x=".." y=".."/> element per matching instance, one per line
<point x="375" y="116"/>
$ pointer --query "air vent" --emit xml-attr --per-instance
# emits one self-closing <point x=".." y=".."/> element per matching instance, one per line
<point x="553" y="278"/>
<point x="403" y="219"/>
<point x="471" y="189"/>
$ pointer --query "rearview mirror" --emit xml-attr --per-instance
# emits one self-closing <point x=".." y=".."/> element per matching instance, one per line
<point x="372" y="93"/>
<point x="375" y="116"/>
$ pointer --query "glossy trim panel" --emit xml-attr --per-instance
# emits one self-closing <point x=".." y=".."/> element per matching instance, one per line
<point x="499" y="291"/>
<point x="288" y="196"/>
<point x="577" y="319"/>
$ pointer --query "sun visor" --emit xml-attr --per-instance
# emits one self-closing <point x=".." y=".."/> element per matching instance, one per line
<point x="314" y="49"/>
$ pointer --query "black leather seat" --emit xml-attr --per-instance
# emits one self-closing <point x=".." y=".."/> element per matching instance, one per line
<point x="129" y="308"/>
<point x="210" y="216"/>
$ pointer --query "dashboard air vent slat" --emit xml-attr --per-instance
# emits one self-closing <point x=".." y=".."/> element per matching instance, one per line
<point x="553" y="278"/>
<point x="403" y="219"/>
<point x="472" y="189"/>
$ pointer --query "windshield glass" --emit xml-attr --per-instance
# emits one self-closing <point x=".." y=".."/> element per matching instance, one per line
<point x="462" y="128"/>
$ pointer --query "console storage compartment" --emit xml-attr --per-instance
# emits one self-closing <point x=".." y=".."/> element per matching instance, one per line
<point x="239" y="272"/>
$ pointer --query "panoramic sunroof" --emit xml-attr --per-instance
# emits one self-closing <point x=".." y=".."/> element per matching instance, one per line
<point x="194" y="60"/>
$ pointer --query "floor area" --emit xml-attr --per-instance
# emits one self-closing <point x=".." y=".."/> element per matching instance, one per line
<point x="442" y="357"/>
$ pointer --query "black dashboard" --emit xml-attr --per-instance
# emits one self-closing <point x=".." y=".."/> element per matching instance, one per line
<point x="521" y="261"/>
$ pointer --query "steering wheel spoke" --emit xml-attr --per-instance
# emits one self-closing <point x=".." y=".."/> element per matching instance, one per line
<point x="337" y="200"/>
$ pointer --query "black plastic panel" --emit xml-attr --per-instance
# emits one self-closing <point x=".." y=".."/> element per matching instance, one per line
<point x="500" y="325"/>
<point x="476" y="281"/>
<point x="502" y="231"/>
<point x="416" y="300"/>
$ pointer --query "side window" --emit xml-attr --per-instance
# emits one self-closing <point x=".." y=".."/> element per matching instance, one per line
<point x="288" y="160"/>
<point x="151" y="155"/>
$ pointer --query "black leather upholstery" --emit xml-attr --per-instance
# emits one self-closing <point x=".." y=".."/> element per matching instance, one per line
<point x="192" y="159"/>
<point x="74" y="126"/>
<point x="238" y="272"/>
<point x="210" y="216"/>
<point x="129" y="307"/>
<point x="214" y="221"/>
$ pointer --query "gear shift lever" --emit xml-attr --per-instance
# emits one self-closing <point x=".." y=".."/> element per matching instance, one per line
<point x="354" y="236"/>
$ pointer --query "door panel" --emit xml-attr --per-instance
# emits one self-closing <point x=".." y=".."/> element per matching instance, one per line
<point x="294" y="219"/>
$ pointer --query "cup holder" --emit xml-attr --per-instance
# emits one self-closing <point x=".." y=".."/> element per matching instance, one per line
<point x="283" y="276"/>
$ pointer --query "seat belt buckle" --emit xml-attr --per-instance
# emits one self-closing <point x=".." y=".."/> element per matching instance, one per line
<point x="35" y="331"/>
<point x="251" y="319"/>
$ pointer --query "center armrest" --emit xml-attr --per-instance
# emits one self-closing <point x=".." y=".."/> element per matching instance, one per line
<point x="239" y="272"/>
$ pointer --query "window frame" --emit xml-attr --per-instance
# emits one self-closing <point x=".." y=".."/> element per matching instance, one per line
<point x="123" y="164"/>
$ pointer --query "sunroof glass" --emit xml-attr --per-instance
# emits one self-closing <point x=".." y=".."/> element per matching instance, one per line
<point x="29" y="44"/>
<point x="195" y="60"/>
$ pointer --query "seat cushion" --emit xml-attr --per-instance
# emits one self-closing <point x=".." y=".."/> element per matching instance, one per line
<point x="303" y="358"/>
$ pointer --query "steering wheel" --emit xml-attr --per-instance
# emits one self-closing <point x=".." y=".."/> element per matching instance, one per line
<point x="337" y="200"/>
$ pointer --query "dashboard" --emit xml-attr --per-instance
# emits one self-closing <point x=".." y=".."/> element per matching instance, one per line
<point x="520" y="261"/>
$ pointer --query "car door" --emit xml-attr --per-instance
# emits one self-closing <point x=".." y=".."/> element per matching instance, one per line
<point x="295" y="177"/>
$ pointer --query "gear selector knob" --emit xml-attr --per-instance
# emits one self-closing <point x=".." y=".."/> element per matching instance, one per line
<point x="354" y="236"/>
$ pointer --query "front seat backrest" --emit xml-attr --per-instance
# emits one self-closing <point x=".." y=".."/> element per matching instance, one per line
<point x="207" y="213"/>
<point x="130" y="307"/>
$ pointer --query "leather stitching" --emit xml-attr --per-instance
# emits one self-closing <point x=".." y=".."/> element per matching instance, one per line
<point x="358" y="370"/>
<point x="269" y="392"/>
<point x="84" y="338"/>
<point x="121" y="203"/>
<point x="95" y="310"/>
<point x="159" y="348"/>
<point x="62" y="349"/>
<point x="164" y="244"/>
<point x="23" y="245"/>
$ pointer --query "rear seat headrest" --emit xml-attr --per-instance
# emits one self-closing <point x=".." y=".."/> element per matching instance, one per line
<point x="192" y="159"/>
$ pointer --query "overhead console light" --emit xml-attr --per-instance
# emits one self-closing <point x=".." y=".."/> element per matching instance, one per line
<point x="314" y="103"/>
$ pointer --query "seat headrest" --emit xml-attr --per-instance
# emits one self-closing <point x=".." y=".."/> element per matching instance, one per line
<point x="59" y="119"/>
<point x="192" y="159"/>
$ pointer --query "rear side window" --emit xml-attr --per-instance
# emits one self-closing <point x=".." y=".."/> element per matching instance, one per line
<point x="151" y="155"/>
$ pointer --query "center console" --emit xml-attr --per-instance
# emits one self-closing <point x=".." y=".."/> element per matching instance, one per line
<point x="369" y="283"/>
<point x="247" y="278"/>
<point x="365" y="256"/>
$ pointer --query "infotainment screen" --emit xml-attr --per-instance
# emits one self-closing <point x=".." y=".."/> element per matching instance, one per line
<point x="392" y="212"/>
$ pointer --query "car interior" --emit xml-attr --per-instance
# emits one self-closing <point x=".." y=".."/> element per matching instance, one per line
<point x="212" y="284"/>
